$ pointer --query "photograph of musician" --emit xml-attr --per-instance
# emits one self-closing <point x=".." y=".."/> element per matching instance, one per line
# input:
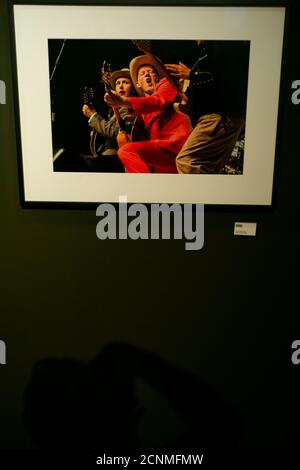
<point x="167" y="129"/>
<point x="217" y="116"/>
<point x="109" y="128"/>
<point x="146" y="102"/>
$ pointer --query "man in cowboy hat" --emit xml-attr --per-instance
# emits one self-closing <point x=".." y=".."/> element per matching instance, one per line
<point x="120" y="82"/>
<point x="167" y="130"/>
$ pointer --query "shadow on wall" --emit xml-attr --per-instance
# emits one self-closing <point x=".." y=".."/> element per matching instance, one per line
<point x="69" y="404"/>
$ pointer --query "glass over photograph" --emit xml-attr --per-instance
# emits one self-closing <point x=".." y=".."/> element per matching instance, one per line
<point x="139" y="106"/>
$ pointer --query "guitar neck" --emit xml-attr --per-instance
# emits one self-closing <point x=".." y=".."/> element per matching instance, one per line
<point x="118" y="117"/>
<point x="89" y="96"/>
<point x="116" y="111"/>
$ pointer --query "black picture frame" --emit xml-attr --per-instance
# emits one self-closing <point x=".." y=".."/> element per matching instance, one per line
<point x="161" y="193"/>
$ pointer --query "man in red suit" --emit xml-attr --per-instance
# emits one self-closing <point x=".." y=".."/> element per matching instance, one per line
<point x="167" y="129"/>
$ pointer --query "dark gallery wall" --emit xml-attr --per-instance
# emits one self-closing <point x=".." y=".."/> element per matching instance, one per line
<point x="227" y="313"/>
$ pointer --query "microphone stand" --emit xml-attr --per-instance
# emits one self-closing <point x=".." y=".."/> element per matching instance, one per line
<point x="53" y="72"/>
<point x="61" y="150"/>
<point x="57" y="59"/>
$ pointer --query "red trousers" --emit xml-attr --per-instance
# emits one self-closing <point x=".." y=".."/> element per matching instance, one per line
<point x="138" y="157"/>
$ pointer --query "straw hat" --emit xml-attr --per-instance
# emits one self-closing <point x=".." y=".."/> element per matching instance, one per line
<point x="117" y="74"/>
<point x="141" y="60"/>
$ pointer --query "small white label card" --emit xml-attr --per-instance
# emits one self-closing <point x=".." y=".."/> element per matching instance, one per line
<point x="245" y="228"/>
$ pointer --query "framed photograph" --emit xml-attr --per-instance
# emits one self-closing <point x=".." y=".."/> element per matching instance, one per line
<point x="197" y="122"/>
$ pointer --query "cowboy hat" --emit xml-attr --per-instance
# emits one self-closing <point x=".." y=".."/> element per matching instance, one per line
<point x="117" y="74"/>
<point x="141" y="60"/>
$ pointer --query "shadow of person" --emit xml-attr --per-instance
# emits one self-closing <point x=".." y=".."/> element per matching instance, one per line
<point x="69" y="404"/>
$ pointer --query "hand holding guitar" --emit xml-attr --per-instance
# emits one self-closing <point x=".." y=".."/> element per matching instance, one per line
<point x="114" y="100"/>
<point x="179" y="71"/>
<point x="88" y="111"/>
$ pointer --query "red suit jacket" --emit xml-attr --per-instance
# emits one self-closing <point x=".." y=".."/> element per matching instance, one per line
<point x="168" y="128"/>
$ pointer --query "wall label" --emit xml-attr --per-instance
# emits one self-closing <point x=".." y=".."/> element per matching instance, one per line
<point x="245" y="228"/>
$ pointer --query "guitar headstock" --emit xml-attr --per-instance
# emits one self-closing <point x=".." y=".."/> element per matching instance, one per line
<point x="105" y="73"/>
<point x="89" y="96"/>
<point x="143" y="45"/>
